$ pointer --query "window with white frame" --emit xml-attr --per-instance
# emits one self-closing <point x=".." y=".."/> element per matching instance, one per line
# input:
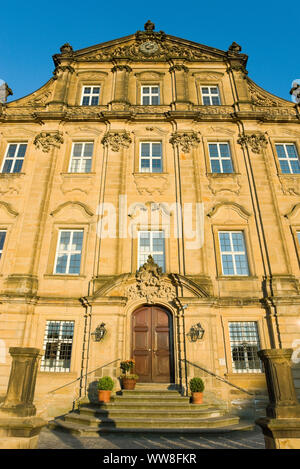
<point x="244" y="343"/>
<point x="210" y="96"/>
<point x="2" y="240"/>
<point x="220" y="158"/>
<point x="151" y="243"/>
<point x="68" y="252"/>
<point x="150" y="95"/>
<point x="288" y="158"/>
<point x="150" y="157"/>
<point x="58" y="342"/>
<point x="90" y="95"/>
<point x="81" y="157"/>
<point x="233" y="253"/>
<point x="14" y="157"/>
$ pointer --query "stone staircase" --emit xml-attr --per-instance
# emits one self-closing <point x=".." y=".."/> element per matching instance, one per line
<point x="147" y="410"/>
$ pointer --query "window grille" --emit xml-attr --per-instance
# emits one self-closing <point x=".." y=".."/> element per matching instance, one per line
<point x="288" y="158"/>
<point x="68" y="253"/>
<point x="210" y="96"/>
<point x="14" y="158"/>
<point x="81" y="159"/>
<point x="220" y="158"/>
<point x="150" y="95"/>
<point x="90" y="96"/>
<point x="233" y="253"/>
<point x="151" y="243"/>
<point x="151" y="157"/>
<point x="244" y="342"/>
<point x="57" y="346"/>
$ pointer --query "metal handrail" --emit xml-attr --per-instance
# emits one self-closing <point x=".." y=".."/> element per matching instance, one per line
<point x="74" y="381"/>
<point x="218" y="377"/>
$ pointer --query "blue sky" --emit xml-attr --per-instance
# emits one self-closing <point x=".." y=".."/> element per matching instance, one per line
<point x="31" y="32"/>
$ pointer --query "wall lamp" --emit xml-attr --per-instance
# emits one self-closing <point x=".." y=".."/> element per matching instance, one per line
<point x="196" y="332"/>
<point x="99" y="332"/>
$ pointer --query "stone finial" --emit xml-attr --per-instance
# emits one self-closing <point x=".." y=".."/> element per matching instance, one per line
<point x="149" y="26"/>
<point x="66" y="48"/>
<point x="5" y="91"/>
<point x="235" y="48"/>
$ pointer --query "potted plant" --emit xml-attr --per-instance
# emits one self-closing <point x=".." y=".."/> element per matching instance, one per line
<point x="128" y="378"/>
<point x="105" y="386"/>
<point x="197" y="388"/>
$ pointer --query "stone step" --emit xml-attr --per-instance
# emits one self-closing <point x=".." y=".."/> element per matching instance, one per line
<point x="77" y="429"/>
<point x="150" y="392"/>
<point x="139" y="406"/>
<point x="113" y="413"/>
<point x="151" y="398"/>
<point x="87" y="427"/>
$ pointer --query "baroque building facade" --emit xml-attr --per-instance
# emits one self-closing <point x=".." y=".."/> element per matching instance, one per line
<point x="149" y="193"/>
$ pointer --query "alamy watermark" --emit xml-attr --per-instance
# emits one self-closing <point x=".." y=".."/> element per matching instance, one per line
<point x="175" y="220"/>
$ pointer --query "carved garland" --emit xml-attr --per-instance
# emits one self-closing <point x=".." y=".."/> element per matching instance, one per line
<point x="46" y="140"/>
<point x="116" y="140"/>
<point x="257" y="142"/>
<point x="185" y="140"/>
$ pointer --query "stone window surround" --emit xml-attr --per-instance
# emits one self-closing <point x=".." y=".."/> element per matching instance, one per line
<point x="203" y="95"/>
<point x="60" y="226"/>
<point x="84" y="80"/>
<point x="201" y="80"/>
<point x="245" y="317"/>
<point x="220" y="159"/>
<point x="65" y="162"/>
<point x="84" y="140"/>
<point x="233" y="149"/>
<point x="135" y="244"/>
<point x="158" y="79"/>
<point x="216" y="228"/>
<point x="59" y="343"/>
<point x="91" y="95"/>
<point x="137" y="145"/>
<point x="277" y="140"/>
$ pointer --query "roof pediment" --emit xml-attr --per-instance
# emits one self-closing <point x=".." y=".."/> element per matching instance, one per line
<point x="147" y="46"/>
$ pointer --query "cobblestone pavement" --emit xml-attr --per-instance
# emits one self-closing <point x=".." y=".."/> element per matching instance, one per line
<point x="50" y="439"/>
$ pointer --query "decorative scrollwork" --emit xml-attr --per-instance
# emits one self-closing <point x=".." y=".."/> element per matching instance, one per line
<point x="185" y="140"/>
<point x="46" y="140"/>
<point x="257" y="142"/>
<point x="116" y="140"/>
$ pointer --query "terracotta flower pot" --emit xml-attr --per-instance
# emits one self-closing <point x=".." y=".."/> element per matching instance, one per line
<point x="197" y="397"/>
<point x="128" y="383"/>
<point x="103" y="396"/>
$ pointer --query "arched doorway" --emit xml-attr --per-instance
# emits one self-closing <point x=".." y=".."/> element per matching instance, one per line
<point x="152" y="344"/>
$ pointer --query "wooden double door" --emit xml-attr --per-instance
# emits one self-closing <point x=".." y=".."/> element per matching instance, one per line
<point x="152" y="344"/>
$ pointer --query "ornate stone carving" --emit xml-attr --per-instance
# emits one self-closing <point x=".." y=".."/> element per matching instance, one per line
<point x="149" y="26"/>
<point x="40" y="99"/>
<point x="178" y="68"/>
<point x="150" y="284"/>
<point x="260" y="98"/>
<point x="290" y="184"/>
<point x="162" y="50"/>
<point x="224" y="183"/>
<point x="235" y="48"/>
<point x="61" y="69"/>
<point x="66" y="49"/>
<point x="257" y="142"/>
<point x="148" y="184"/>
<point x="214" y="110"/>
<point x="121" y="68"/>
<point x="116" y="140"/>
<point x="46" y="140"/>
<point x="185" y="140"/>
<point x="8" y="185"/>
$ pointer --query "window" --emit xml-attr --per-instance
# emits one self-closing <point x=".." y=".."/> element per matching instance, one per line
<point x="220" y="158"/>
<point x="151" y="157"/>
<point x="244" y="343"/>
<point x="151" y="243"/>
<point x="288" y="158"/>
<point x="298" y="236"/>
<point x="150" y="95"/>
<point x="233" y="253"/>
<point x="68" y="253"/>
<point x="90" y="96"/>
<point x="81" y="159"/>
<point x="2" y="240"/>
<point x="57" y="346"/>
<point x="14" y="158"/>
<point x="210" y="96"/>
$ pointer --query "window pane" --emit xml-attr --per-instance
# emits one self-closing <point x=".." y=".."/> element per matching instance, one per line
<point x="155" y="100"/>
<point x="75" y="260"/>
<point x="77" y="240"/>
<point x="2" y="239"/>
<point x="17" y="166"/>
<point x="156" y="149"/>
<point x="77" y="149"/>
<point x="295" y="166"/>
<point x="88" y="149"/>
<point x="224" y="150"/>
<point x="284" y="166"/>
<point x="215" y="100"/>
<point x="215" y="166"/>
<point x="206" y="101"/>
<point x="22" y="150"/>
<point x="145" y="149"/>
<point x="7" y="166"/>
<point x="280" y="151"/>
<point x="291" y="151"/>
<point x="227" y="264"/>
<point x="87" y="90"/>
<point x="227" y="166"/>
<point x="213" y="150"/>
<point x="61" y="264"/>
<point x="12" y="150"/>
<point x="85" y="100"/>
<point x="95" y="100"/>
<point x="64" y="240"/>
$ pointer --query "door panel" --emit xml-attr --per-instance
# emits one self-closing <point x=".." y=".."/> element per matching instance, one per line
<point x="151" y="345"/>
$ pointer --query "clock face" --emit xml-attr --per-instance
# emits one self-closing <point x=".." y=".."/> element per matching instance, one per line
<point x="149" y="47"/>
